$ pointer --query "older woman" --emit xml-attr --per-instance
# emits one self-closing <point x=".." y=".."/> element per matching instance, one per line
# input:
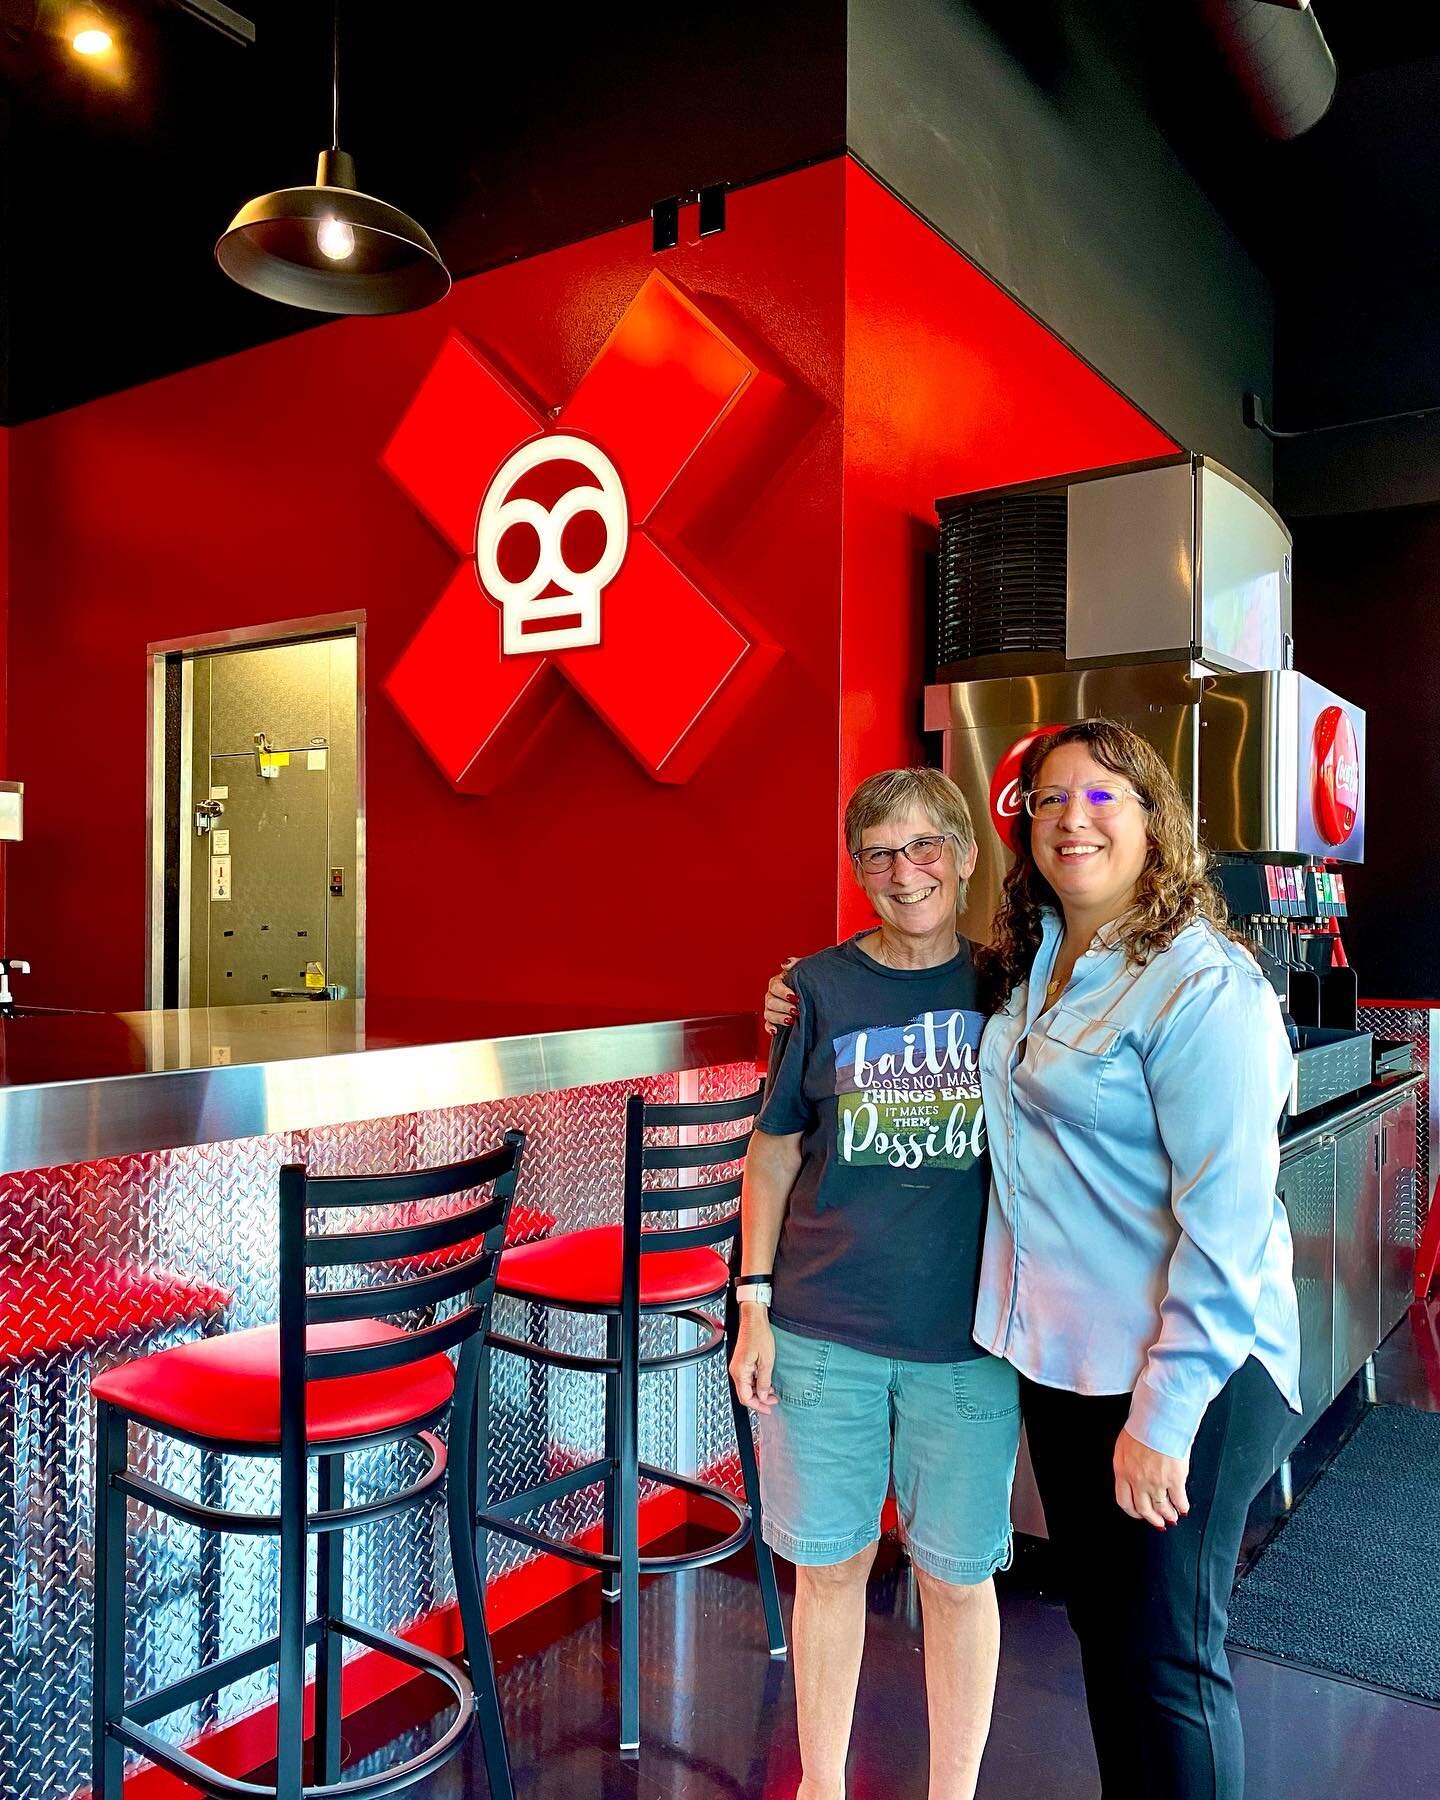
<point x="1137" y="1263"/>
<point x="865" y="1189"/>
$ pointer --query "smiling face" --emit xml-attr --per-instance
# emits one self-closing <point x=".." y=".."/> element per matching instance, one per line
<point x="1092" y="864"/>
<point x="915" y="901"/>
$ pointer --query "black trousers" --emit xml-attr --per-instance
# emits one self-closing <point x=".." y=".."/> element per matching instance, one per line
<point x="1150" y="1608"/>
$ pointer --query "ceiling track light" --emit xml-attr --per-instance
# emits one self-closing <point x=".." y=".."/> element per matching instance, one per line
<point x="331" y="248"/>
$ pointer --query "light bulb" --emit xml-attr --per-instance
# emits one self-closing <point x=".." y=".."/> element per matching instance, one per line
<point x="92" y="41"/>
<point x="336" y="239"/>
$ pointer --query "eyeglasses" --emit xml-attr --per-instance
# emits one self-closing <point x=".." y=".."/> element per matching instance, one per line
<point x="1095" y="802"/>
<point x="921" y="851"/>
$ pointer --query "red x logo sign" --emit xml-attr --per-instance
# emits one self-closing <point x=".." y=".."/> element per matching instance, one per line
<point x="670" y="670"/>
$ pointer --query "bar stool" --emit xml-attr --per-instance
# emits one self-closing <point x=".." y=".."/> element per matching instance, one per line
<point x="334" y="1376"/>
<point x="621" y="1272"/>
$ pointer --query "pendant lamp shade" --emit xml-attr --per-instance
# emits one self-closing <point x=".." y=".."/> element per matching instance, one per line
<point x="332" y="249"/>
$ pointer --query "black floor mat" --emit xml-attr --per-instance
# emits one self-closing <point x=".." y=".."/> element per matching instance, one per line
<point x="1351" y="1582"/>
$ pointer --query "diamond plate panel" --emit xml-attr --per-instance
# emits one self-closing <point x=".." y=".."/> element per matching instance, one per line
<point x="1307" y="1187"/>
<point x="1414" y="1024"/>
<point x="207" y="1216"/>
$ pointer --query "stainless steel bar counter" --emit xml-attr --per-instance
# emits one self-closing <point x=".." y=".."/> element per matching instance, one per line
<point x="75" y="1086"/>
<point x="139" y="1155"/>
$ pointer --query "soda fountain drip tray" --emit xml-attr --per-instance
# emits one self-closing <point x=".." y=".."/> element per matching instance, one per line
<point x="1329" y="1064"/>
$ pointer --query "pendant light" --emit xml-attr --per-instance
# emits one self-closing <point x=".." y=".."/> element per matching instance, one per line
<point x="329" y="247"/>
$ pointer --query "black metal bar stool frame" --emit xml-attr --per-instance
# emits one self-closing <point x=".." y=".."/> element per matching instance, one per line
<point x="619" y="1560"/>
<point x="119" y="1725"/>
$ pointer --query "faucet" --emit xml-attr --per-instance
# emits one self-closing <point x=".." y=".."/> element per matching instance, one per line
<point x="7" y="999"/>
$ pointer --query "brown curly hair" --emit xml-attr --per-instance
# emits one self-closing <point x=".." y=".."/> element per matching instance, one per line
<point x="1174" y="888"/>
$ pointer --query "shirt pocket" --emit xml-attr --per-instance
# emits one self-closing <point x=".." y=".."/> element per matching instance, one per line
<point x="1065" y="1063"/>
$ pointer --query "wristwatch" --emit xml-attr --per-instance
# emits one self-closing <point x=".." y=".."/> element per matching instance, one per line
<point x="754" y="1288"/>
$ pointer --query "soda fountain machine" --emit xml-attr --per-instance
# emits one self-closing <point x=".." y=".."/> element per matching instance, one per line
<point x="1159" y="595"/>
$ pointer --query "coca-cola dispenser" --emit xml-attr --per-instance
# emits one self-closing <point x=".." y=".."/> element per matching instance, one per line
<point x="1159" y="596"/>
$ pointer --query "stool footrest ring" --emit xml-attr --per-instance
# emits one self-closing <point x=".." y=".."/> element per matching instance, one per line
<point x="189" y="1768"/>
<point x="340" y="1518"/>
<point x="557" y="1359"/>
<point x="713" y="1341"/>
<point x="511" y="1527"/>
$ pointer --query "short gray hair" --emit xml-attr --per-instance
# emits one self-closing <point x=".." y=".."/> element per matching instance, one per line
<point x="895" y="791"/>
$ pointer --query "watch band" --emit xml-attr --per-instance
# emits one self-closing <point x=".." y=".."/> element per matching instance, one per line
<point x="756" y="1290"/>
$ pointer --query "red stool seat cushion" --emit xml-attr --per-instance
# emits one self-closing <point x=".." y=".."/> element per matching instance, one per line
<point x="69" y="1302"/>
<point x="584" y="1266"/>
<point x="228" y="1388"/>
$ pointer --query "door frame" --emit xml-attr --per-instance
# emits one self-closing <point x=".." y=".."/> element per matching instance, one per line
<point x="242" y="637"/>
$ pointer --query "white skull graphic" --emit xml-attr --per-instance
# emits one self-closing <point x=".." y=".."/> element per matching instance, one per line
<point x="524" y="612"/>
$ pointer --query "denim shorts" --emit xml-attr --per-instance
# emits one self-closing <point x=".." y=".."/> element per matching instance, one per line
<point x="845" y="1420"/>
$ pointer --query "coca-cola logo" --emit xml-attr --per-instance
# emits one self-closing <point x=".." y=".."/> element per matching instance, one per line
<point x="1005" y="784"/>
<point x="1334" y="775"/>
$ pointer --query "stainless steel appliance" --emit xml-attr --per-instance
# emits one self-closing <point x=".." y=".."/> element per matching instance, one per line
<point x="1160" y="596"/>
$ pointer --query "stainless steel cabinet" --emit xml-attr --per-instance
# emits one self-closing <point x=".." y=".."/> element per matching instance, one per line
<point x="1351" y="1200"/>
<point x="1399" y="1210"/>
<point x="1307" y="1187"/>
<point x="1357" y="1248"/>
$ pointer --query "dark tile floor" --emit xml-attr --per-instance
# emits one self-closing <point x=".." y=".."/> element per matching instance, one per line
<point x="718" y="1715"/>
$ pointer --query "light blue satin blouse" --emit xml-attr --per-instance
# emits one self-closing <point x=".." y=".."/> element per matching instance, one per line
<point x="1135" y="1241"/>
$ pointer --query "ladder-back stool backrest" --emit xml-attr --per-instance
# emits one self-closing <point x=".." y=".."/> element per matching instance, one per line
<point x="642" y="1157"/>
<point x="401" y="1255"/>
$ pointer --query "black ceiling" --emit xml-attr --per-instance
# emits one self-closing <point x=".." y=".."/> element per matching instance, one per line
<point x="1284" y="200"/>
<point x="503" y="131"/>
<point x="506" y="131"/>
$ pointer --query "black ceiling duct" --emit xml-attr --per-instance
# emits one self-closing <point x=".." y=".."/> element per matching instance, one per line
<point x="1277" y="54"/>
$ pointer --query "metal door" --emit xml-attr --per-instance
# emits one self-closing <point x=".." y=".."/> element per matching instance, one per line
<point x="1399" y="1210"/>
<point x="1307" y="1187"/>
<point x="1357" y="1247"/>
<point x="271" y="825"/>
<point x="273" y="922"/>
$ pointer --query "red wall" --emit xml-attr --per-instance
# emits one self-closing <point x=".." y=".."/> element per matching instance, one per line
<point x="250" y="491"/>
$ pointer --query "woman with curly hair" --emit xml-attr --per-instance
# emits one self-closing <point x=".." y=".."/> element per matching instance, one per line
<point x="1137" y="1262"/>
<point x="1136" y="1267"/>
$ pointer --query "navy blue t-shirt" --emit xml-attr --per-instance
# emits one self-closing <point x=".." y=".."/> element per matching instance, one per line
<point x="880" y="1073"/>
